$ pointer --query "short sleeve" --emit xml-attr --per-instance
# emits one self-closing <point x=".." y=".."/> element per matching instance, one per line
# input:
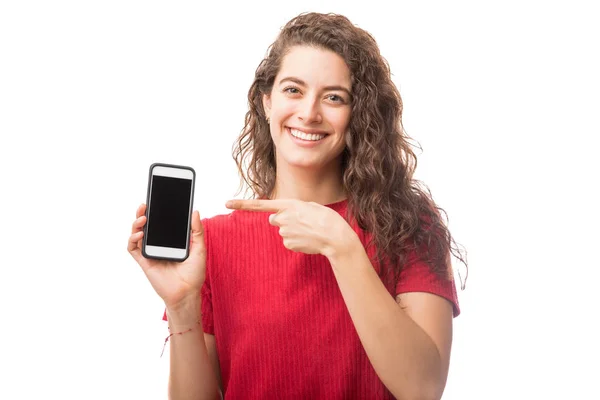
<point x="416" y="276"/>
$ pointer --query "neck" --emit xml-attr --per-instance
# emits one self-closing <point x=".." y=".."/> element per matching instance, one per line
<point x="322" y="186"/>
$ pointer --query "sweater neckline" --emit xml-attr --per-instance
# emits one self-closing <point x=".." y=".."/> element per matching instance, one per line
<point x="338" y="205"/>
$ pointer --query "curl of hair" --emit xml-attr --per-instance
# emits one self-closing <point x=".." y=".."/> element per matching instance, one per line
<point x="378" y="162"/>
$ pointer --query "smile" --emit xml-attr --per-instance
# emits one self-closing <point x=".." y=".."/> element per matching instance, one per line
<point x="311" y="137"/>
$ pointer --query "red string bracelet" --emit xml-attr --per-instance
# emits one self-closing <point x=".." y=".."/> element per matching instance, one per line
<point x="176" y="333"/>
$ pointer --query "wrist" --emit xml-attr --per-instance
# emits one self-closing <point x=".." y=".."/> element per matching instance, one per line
<point x="345" y="247"/>
<point x="185" y="313"/>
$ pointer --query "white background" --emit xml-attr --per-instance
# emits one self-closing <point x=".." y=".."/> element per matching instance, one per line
<point x="503" y="97"/>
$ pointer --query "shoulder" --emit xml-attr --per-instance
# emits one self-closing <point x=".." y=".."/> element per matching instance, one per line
<point x="233" y="219"/>
<point x="233" y="225"/>
<point x="217" y="223"/>
<point x="218" y="220"/>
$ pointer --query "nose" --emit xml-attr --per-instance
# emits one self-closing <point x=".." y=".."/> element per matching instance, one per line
<point x="310" y="111"/>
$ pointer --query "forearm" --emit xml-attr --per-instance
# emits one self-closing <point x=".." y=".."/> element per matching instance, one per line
<point x="191" y="373"/>
<point x="402" y="354"/>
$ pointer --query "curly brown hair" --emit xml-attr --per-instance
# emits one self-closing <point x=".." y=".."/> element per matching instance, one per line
<point x="378" y="162"/>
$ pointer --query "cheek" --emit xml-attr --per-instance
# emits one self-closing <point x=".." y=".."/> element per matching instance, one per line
<point x="283" y="113"/>
<point x="281" y="107"/>
<point x="339" y="119"/>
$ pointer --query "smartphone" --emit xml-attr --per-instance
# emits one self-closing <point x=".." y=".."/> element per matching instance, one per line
<point x="169" y="204"/>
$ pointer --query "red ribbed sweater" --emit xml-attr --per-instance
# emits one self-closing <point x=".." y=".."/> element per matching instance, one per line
<point x="281" y="326"/>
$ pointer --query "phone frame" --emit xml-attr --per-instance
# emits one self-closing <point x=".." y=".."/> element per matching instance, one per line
<point x="174" y="251"/>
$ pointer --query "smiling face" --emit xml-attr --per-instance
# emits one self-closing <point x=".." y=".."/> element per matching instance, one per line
<point x="309" y="108"/>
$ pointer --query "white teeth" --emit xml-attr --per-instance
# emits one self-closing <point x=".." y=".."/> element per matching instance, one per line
<point x="306" y="136"/>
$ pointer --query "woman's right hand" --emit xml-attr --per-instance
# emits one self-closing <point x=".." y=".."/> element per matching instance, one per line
<point x="174" y="282"/>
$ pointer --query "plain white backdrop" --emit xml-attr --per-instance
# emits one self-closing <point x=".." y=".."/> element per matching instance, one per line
<point x="502" y="96"/>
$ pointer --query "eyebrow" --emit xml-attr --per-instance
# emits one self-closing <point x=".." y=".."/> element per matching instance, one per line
<point x="302" y="83"/>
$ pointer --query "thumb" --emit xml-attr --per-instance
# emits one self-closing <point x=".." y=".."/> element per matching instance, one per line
<point x="197" y="237"/>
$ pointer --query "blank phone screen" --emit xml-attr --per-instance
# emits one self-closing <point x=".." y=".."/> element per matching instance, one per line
<point x="169" y="210"/>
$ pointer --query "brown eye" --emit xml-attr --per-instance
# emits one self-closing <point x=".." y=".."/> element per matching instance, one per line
<point x="335" y="98"/>
<point x="291" y="90"/>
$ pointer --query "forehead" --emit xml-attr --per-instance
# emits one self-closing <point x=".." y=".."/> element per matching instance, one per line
<point x="315" y="66"/>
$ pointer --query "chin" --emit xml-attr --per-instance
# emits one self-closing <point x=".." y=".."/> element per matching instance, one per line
<point x="306" y="162"/>
<point x="309" y="164"/>
<point x="306" y="158"/>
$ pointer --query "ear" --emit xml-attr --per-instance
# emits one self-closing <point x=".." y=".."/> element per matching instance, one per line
<point x="267" y="104"/>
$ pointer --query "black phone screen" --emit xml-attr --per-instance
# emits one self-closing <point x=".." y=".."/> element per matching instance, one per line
<point x="169" y="207"/>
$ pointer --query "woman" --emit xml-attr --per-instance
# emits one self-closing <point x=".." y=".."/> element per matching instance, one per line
<point x="334" y="282"/>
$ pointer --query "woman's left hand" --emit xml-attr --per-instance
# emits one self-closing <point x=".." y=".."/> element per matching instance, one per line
<point x="305" y="227"/>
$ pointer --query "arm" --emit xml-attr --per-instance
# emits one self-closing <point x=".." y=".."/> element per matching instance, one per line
<point x="409" y="347"/>
<point x="193" y="359"/>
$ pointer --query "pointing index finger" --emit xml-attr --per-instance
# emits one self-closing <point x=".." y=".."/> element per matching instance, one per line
<point x="258" y="205"/>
